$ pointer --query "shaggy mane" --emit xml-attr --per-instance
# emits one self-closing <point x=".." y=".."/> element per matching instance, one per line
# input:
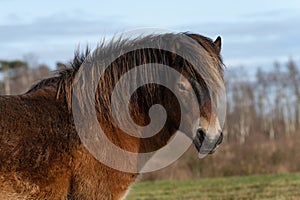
<point x="212" y="73"/>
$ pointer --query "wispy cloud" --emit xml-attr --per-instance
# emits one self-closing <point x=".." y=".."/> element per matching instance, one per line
<point x="251" y="39"/>
<point x="54" y="38"/>
<point x="52" y="27"/>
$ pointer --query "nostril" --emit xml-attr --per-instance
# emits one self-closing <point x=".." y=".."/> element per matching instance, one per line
<point x="201" y="134"/>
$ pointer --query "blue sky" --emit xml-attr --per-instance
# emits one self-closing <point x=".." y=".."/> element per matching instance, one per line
<point x="254" y="33"/>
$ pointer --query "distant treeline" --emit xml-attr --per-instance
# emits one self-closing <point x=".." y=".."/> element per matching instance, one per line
<point x="266" y="106"/>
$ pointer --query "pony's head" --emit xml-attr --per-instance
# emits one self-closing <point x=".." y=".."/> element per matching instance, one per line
<point x="204" y="83"/>
<point x="191" y="98"/>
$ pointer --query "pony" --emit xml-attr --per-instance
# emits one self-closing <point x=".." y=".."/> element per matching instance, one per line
<point x="41" y="153"/>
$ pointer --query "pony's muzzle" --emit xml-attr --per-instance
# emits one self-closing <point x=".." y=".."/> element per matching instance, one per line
<point x="204" y="144"/>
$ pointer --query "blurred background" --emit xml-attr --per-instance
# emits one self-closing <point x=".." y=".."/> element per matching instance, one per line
<point x="261" y="52"/>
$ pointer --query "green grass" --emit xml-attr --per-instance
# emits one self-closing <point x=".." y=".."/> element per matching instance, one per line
<point x="280" y="186"/>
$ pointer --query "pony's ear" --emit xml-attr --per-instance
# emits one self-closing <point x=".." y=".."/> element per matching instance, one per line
<point x="218" y="44"/>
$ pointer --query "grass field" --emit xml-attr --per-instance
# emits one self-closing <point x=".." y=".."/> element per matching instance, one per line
<point x="282" y="186"/>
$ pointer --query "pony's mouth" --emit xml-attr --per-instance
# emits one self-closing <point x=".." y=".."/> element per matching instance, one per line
<point x="204" y="145"/>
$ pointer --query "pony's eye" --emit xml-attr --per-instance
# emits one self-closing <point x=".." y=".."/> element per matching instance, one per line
<point x="181" y="86"/>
